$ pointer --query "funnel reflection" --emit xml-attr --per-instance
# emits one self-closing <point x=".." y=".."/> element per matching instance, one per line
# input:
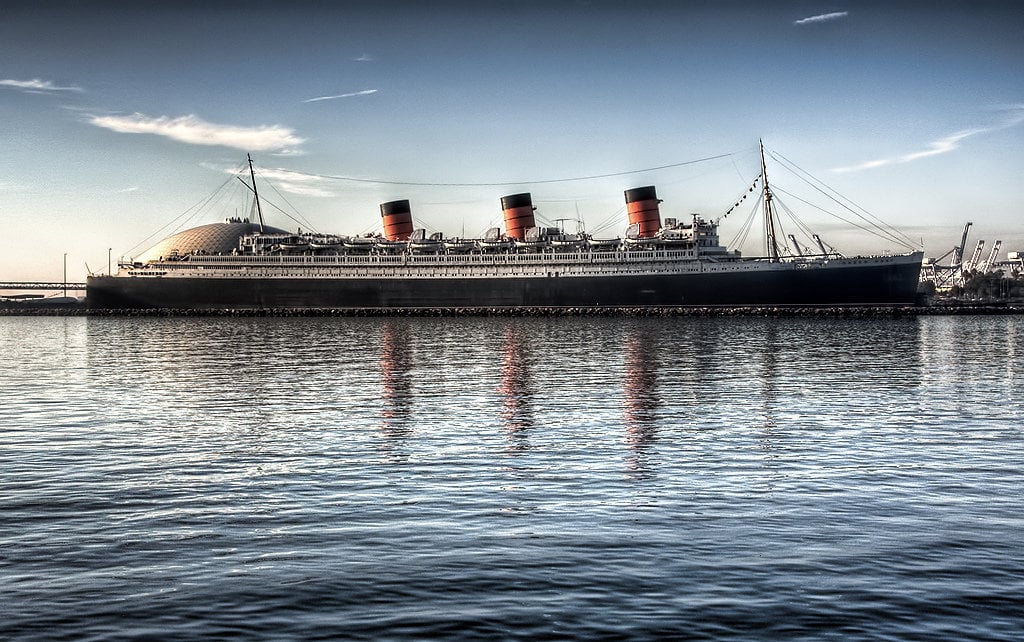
<point x="516" y="390"/>
<point x="396" y="380"/>
<point x="641" y="401"/>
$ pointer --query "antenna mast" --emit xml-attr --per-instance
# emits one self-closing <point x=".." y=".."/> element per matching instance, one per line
<point x="769" y="212"/>
<point x="256" y="195"/>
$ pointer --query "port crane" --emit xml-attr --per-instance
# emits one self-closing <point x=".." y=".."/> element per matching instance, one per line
<point x="947" y="275"/>
<point x="992" y="256"/>
<point x="958" y="251"/>
<point x="956" y="272"/>
<point x="972" y="264"/>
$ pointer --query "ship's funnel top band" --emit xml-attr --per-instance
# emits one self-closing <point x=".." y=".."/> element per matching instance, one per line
<point x="394" y="207"/>
<point x="397" y="219"/>
<point x="518" y="210"/>
<point x="516" y="200"/>
<point x="641" y="194"/>
<point x="643" y="211"/>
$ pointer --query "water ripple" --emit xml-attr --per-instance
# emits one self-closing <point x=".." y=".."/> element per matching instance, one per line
<point x="308" y="478"/>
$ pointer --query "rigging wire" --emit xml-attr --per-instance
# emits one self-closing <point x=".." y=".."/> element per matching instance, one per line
<point x="353" y="179"/>
<point x="892" y="233"/>
<point x="741" y="235"/>
<point x="304" y="221"/>
<point x="840" y="197"/>
<point x="279" y="208"/>
<point x="877" y="227"/>
<point x="781" y="233"/>
<point x="610" y="221"/>
<point x="883" y="234"/>
<point x="801" y="226"/>
<point x="742" y="197"/>
<point x="191" y="211"/>
<point x="427" y="225"/>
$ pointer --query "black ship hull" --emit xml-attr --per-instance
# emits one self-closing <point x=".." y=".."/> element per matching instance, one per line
<point x="873" y="284"/>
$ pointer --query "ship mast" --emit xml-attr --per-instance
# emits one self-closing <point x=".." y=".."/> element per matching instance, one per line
<point x="256" y="194"/>
<point x="769" y="212"/>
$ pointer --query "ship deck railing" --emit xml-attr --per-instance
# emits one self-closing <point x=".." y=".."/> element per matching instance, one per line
<point x="484" y="258"/>
<point x="552" y="264"/>
<point x="537" y="264"/>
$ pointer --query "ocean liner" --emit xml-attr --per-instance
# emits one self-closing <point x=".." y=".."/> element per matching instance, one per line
<point x="658" y="263"/>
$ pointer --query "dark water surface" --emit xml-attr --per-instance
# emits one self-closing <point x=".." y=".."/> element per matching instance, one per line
<point x="309" y="478"/>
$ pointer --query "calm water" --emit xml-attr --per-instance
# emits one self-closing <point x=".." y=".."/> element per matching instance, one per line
<point x="511" y="478"/>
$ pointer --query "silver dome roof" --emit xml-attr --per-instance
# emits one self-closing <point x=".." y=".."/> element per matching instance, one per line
<point x="215" y="238"/>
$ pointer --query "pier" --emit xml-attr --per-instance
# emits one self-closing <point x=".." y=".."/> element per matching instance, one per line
<point x="41" y="285"/>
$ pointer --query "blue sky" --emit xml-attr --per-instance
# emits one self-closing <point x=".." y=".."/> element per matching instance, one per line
<point x="117" y="118"/>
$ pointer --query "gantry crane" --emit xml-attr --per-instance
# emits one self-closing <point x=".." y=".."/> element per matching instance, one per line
<point x="958" y="251"/>
<point x="992" y="256"/>
<point x="971" y="265"/>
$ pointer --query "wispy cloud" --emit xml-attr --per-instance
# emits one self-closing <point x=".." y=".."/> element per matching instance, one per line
<point x="364" y="92"/>
<point x="364" y="58"/>
<point x="37" y="86"/>
<point x="934" y="148"/>
<point x="941" y="146"/>
<point x="824" y="17"/>
<point x="289" y="181"/>
<point x="289" y="152"/>
<point x="1013" y="115"/>
<point x="195" y="131"/>
<point x="865" y="165"/>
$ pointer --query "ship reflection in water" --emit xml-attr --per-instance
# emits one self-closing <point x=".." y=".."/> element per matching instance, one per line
<point x="769" y="383"/>
<point x="396" y="383"/>
<point x="515" y="389"/>
<point x="640" y="398"/>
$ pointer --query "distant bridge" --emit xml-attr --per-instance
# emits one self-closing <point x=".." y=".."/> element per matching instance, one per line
<point x="40" y="285"/>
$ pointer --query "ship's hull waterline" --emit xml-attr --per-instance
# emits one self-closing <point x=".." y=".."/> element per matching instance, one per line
<point x="881" y="281"/>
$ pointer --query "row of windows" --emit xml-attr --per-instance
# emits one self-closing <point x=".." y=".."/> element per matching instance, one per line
<point x="452" y="271"/>
<point x="443" y="259"/>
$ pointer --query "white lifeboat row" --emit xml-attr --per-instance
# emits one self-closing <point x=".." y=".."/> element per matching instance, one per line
<point x="537" y="239"/>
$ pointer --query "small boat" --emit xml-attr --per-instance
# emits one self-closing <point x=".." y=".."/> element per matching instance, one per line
<point x="566" y="242"/>
<point x="293" y="244"/>
<point x="642" y="242"/>
<point x="325" y="243"/>
<point x="493" y="241"/>
<point x="389" y="247"/>
<point x="425" y="245"/>
<point x="358" y="243"/>
<point x="420" y="243"/>
<point x="534" y="245"/>
<point x="603" y="244"/>
<point x="494" y="246"/>
<point x="459" y="246"/>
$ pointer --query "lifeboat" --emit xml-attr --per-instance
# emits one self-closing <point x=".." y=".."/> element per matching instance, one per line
<point x="603" y="244"/>
<point x="293" y="244"/>
<point x="566" y="242"/>
<point x="358" y="243"/>
<point x="388" y="246"/>
<point x="422" y="244"/>
<point x="325" y="243"/>
<point x="493" y="241"/>
<point x="458" y="246"/>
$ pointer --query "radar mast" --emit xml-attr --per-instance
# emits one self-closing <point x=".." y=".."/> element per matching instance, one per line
<point x="769" y="212"/>
<point x="256" y="195"/>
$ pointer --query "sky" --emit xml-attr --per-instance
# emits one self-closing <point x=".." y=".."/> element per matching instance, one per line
<point x="118" y="118"/>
